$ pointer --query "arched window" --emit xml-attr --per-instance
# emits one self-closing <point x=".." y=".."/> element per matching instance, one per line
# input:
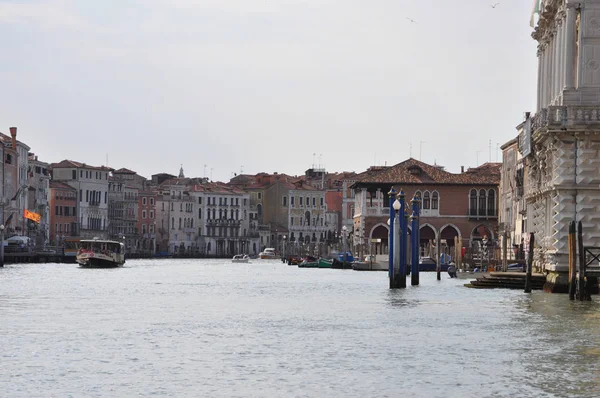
<point x="473" y="202"/>
<point x="426" y="201"/>
<point x="482" y="203"/>
<point x="307" y="217"/>
<point x="418" y="195"/>
<point x="491" y="203"/>
<point x="434" y="200"/>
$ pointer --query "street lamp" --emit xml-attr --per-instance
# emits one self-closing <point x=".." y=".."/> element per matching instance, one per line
<point x="1" y="245"/>
<point x="344" y="240"/>
<point x="283" y="258"/>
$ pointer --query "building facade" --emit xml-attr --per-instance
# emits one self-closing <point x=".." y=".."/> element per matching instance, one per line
<point x="91" y="183"/>
<point x="38" y="186"/>
<point x="63" y="221"/>
<point x="460" y="205"/>
<point x="146" y="224"/>
<point x="561" y="142"/>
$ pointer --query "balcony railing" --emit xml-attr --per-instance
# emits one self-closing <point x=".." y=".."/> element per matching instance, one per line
<point x="482" y="214"/>
<point x="566" y="116"/>
<point x="94" y="203"/>
<point x="377" y="211"/>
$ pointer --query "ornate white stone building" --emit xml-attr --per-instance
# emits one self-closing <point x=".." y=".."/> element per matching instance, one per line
<point x="561" y="143"/>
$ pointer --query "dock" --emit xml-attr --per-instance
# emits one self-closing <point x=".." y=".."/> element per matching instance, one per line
<point x="507" y="280"/>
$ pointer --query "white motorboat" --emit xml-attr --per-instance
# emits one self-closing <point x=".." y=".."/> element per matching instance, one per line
<point x="96" y="253"/>
<point x="268" y="254"/>
<point x="369" y="264"/>
<point x="240" y="258"/>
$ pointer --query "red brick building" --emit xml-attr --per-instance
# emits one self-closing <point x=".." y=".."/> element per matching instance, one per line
<point x="463" y="204"/>
<point x="63" y="211"/>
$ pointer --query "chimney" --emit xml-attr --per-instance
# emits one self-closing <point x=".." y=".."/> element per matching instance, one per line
<point x="462" y="169"/>
<point x="13" y="134"/>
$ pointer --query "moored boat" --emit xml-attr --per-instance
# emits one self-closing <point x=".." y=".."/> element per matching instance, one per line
<point x="268" y="254"/>
<point x="240" y="258"/>
<point x="325" y="263"/>
<point x="294" y="260"/>
<point x="309" y="262"/>
<point x="96" y="253"/>
<point x="369" y="264"/>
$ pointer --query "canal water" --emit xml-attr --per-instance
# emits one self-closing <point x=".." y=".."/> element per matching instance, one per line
<point x="210" y="328"/>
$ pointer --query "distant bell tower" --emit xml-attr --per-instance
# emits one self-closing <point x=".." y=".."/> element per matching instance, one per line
<point x="181" y="172"/>
<point x="561" y="143"/>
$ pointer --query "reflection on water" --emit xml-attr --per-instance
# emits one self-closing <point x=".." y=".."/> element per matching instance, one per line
<point x="191" y="328"/>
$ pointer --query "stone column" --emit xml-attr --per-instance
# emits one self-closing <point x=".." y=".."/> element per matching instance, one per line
<point x="542" y="75"/>
<point x="554" y="75"/>
<point x="539" y="96"/>
<point x="559" y="59"/>
<point x="570" y="49"/>
<point x="546" y="73"/>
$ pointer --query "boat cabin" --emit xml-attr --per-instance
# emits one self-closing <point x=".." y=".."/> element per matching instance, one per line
<point x="102" y="246"/>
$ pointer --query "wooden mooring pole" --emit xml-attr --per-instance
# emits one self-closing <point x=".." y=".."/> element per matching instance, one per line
<point x="529" y="263"/>
<point x="581" y="289"/>
<point x="572" y="260"/>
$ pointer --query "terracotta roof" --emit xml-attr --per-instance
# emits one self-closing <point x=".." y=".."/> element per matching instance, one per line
<point x="412" y="171"/>
<point x="73" y="164"/>
<point x="60" y="185"/>
<point x="123" y="170"/>
<point x="217" y="187"/>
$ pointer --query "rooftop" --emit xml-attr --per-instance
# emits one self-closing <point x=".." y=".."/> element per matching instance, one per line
<point x="413" y="171"/>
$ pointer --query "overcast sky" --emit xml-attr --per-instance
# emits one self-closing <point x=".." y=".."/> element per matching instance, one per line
<point x="262" y="85"/>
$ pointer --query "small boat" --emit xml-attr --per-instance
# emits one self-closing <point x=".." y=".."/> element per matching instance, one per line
<point x="96" y="253"/>
<point x="325" y="263"/>
<point x="309" y="262"/>
<point x="268" y="254"/>
<point x="294" y="260"/>
<point x="240" y="258"/>
<point x="369" y="264"/>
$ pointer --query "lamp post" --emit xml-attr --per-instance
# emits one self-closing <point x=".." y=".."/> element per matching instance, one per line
<point x="344" y="240"/>
<point x="1" y="245"/>
<point x="283" y="258"/>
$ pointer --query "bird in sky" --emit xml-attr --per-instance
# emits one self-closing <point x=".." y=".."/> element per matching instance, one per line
<point x="494" y="5"/>
<point x="411" y="20"/>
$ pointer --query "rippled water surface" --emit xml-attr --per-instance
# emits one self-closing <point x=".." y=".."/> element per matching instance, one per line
<point x="191" y="328"/>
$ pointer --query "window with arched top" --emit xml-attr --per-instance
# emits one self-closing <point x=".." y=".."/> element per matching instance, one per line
<point x="482" y="203"/>
<point x="473" y="202"/>
<point x="435" y="198"/>
<point x="418" y="194"/>
<point x="426" y="201"/>
<point x="307" y="217"/>
<point x="491" y="203"/>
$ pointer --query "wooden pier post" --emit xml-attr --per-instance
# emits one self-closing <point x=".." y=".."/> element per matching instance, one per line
<point x="414" y="273"/>
<point x="581" y="290"/>
<point x="529" y="263"/>
<point x="504" y="252"/>
<point x="392" y="196"/>
<point x="572" y="260"/>
<point x="438" y="267"/>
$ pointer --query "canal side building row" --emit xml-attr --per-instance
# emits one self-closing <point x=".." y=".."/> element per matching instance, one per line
<point x="551" y="169"/>
<point x="170" y="214"/>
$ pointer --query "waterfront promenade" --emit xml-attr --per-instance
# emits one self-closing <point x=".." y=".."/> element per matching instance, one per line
<point x="190" y="328"/>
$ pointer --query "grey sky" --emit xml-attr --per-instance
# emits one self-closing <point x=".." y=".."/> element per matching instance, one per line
<point x="264" y="84"/>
